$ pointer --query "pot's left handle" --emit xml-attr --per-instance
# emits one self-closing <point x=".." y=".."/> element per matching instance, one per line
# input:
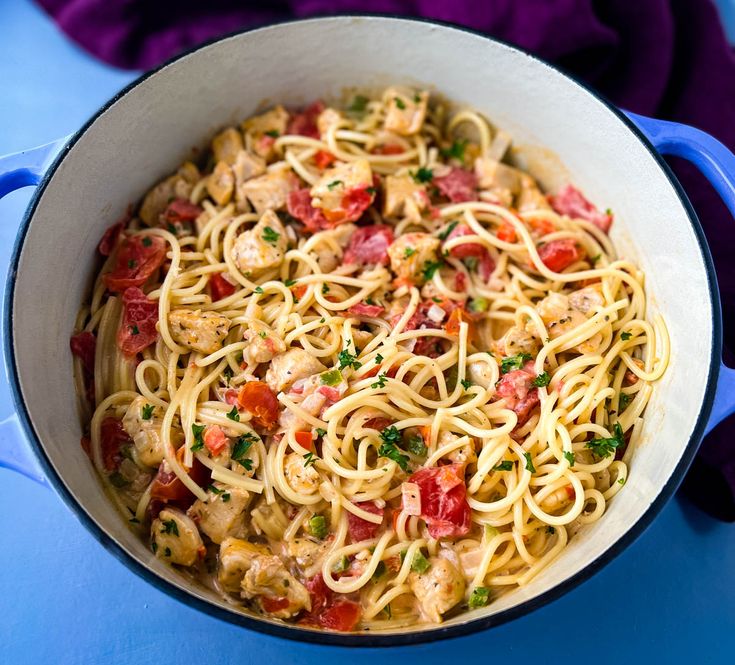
<point x="22" y="169"/>
<point x="717" y="164"/>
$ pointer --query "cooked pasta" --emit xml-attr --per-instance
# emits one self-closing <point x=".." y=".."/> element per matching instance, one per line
<point x="356" y="371"/>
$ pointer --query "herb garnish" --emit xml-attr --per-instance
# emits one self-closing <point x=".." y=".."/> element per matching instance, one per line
<point x="234" y="414"/>
<point x="514" y="362"/>
<point x="607" y="446"/>
<point x="422" y="174"/>
<point x="270" y="236"/>
<point x="542" y="380"/>
<point x="146" y="412"/>
<point x="197" y="430"/>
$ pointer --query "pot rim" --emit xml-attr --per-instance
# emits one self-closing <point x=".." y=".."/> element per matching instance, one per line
<point x="296" y="633"/>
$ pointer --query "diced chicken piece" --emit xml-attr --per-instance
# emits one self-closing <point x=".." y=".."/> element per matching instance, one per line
<point x="306" y="553"/>
<point x="502" y="180"/>
<point x="560" y="318"/>
<point x="553" y="307"/>
<point x="145" y="432"/>
<point x="235" y="558"/>
<point x="175" y="538"/>
<point x="558" y="499"/>
<point x="263" y="343"/>
<point x="247" y="166"/>
<point x="200" y="331"/>
<point x="221" y="515"/>
<point x="279" y="593"/>
<point x="178" y="185"/>
<point x="405" y="110"/>
<point x="226" y="145"/>
<point x="262" y="247"/>
<point x="587" y="299"/>
<point x="517" y="340"/>
<point x="263" y="130"/>
<point x="328" y="119"/>
<point x="439" y="589"/>
<point x="404" y="198"/>
<point x="287" y="368"/>
<point x="269" y="191"/>
<point x="300" y="477"/>
<point x="483" y="372"/>
<point x="221" y="183"/>
<point x="411" y="253"/>
<point x="464" y="455"/>
<point x="530" y="196"/>
<point x="336" y="183"/>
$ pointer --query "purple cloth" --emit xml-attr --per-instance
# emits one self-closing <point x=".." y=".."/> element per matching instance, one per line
<point x="664" y="58"/>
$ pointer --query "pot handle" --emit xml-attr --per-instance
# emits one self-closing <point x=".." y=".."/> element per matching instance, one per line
<point x="717" y="164"/>
<point x="27" y="167"/>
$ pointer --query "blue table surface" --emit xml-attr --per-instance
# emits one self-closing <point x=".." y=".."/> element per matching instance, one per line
<point x="669" y="598"/>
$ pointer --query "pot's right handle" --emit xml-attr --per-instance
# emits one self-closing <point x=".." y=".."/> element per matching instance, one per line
<point x="22" y="169"/>
<point x="717" y="164"/>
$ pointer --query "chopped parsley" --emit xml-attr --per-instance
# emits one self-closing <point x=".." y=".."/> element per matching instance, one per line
<point x="332" y="377"/>
<point x="408" y="252"/>
<point x="621" y="481"/>
<point x="479" y="597"/>
<point x="569" y="457"/>
<point x="289" y="283"/>
<point x="371" y="190"/>
<point x="514" y="362"/>
<point x="625" y="336"/>
<point x="400" y="103"/>
<point x="134" y="330"/>
<point x="197" y="430"/>
<point x="325" y="289"/>
<point x="131" y="263"/>
<point x="479" y="304"/>
<point x="420" y="563"/>
<point x="380" y="383"/>
<point x="146" y="412"/>
<point x="334" y="184"/>
<point x="214" y="490"/>
<point x="466" y="384"/>
<point x="529" y="464"/>
<point x="359" y="104"/>
<point x="227" y="373"/>
<point x="273" y="133"/>
<point x="542" y="380"/>
<point x="416" y="446"/>
<point x="234" y="414"/>
<point x="608" y="446"/>
<point x="241" y="448"/>
<point x="390" y="437"/>
<point x="379" y="570"/>
<point x="430" y="267"/>
<point x="262" y="334"/>
<point x="154" y="546"/>
<point x="456" y="150"/>
<point x="445" y="233"/>
<point x="258" y="289"/>
<point x="321" y="432"/>
<point x="318" y="526"/>
<point x="623" y="401"/>
<point x="378" y="359"/>
<point x="346" y="359"/>
<point x="226" y="497"/>
<point x="170" y="527"/>
<point x="118" y="480"/>
<point x="550" y="530"/>
<point x="505" y="465"/>
<point x="595" y="258"/>
<point x="270" y="236"/>
<point x="342" y="565"/>
<point x="422" y="174"/>
<point x="147" y="242"/>
<point x="167" y="551"/>
<point x="309" y="459"/>
<point x="470" y="263"/>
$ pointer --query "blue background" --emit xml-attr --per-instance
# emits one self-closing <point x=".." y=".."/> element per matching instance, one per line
<point x="63" y="599"/>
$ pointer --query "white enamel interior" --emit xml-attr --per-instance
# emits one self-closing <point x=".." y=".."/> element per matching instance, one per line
<point x="144" y="135"/>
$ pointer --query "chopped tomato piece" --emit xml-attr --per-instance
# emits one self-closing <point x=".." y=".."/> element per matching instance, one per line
<point x="257" y="398"/>
<point x="112" y="438"/>
<point x="321" y="594"/>
<point x="305" y="440"/>
<point x="571" y="202"/>
<point x="378" y="423"/>
<point x="215" y="439"/>
<point x="363" y="309"/>
<point x="271" y="604"/>
<point x="560" y="254"/>
<point x="83" y="346"/>
<point x="167" y="487"/>
<point x="265" y="143"/>
<point x="137" y="259"/>
<point x="324" y="159"/>
<point x="220" y="286"/>
<point x="300" y="291"/>
<point x="361" y="529"/>
<point x="110" y="237"/>
<point x="354" y="202"/>
<point x="458" y="315"/>
<point x="138" y="326"/>
<point x="181" y="210"/>
<point x="444" y="505"/>
<point x="517" y="389"/>
<point x="460" y="282"/>
<point x="299" y="206"/>
<point x="388" y="149"/>
<point x="541" y="226"/>
<point x="343" y="615"/>
<point x="458" y="185"/>
<point x="303" y="123"/>
<point x="507" y="233"/>
<point x="369" y="245"/>
<point x="472" y="250"/>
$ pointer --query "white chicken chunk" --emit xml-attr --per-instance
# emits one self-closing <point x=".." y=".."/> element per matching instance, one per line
<point x="463" y="455"/>
<point x="247" y="165"/>
<point x="268" y="580"/>
<point x="331" y="188"/>
<point x="145" y="431"/>
<point x="587" y="299"/>
<point x="226" y="145"/>
<point x="517" y="340"/>
<point x="288" y="367"/>
<point x="530" y="197"/>
<point x="502" y="180"/>
<point x="411" y="253"/>
<point x="560" y="318"/>
<point x="178" y="185"/>
<point x="329" y="118"/>
<point x="404" y="198"/>
<point x="269" y="191"/>
<point x="483" y="372"/>
<point x="221" y="183"/>
<point x="235" y="558"/>
<point x="221" y="515"/>
<point x="175" y="537"/>
<point x="306" y="553"/>
<point x="300" y="477"/>
<point x="263" y="343"/>
<point x="262" y="247"/>
<point x="263" y="128"/>
<point x="405" y="110"/>
<point x="439" y="589"/>
<point x="197" y="330"/>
